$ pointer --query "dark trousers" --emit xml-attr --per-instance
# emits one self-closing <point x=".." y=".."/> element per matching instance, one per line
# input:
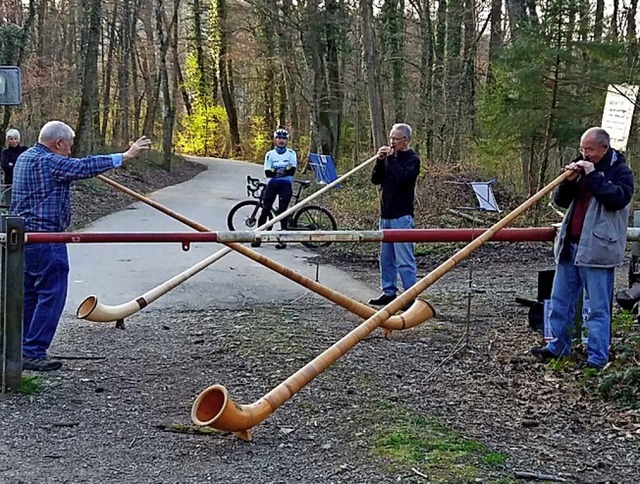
<point x="45" y="292"/>
<point x="277" y="187"/>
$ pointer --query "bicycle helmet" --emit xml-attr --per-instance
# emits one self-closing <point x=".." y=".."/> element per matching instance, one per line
<point x="281" y="133"/>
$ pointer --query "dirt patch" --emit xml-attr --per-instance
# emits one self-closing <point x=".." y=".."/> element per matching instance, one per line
<point x="388" y="411"/>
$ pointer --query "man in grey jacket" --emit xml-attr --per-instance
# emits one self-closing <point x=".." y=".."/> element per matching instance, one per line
<point x="590" y="243"/>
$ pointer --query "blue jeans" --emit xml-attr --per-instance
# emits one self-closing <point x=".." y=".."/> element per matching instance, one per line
<point x="46" y="271"/>
<point x="567" y="289"/>
<point x="397" y="258"/>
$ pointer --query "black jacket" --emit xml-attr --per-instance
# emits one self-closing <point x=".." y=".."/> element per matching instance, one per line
<point x="9" y="157"/>
<point x="611" y="184"/>
<point x="604" y="231"/>
<point x="397" y="174"/>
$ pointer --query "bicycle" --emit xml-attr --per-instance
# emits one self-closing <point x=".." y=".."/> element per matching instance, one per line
<point x="245" y="214"/>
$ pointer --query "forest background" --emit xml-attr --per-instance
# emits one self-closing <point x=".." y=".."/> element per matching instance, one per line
<point x="506" y="86"/>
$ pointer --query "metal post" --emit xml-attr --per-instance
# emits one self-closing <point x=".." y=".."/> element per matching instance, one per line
<point x="12" y="302"/>
<point x="3" y="265"/>
<point x="634" y="265"/>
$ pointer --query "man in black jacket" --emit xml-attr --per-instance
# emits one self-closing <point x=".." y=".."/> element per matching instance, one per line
<point x="396" y="171"/>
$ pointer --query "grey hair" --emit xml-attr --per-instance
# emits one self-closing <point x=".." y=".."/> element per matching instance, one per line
<point x="405" y="128"/>
<point x="54" y="130"/>
<point x="13" y="133"/>
<point x="600" y="135"/>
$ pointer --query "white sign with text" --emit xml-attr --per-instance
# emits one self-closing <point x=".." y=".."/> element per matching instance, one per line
<point x="618" y="113"/>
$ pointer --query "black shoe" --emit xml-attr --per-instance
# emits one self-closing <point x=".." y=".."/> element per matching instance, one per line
<point x="40" y="364"/>
<point x="591" y="366"/>
<point x="382" y="300"/>
<point x="281" y="245"/>
<point x="543" y="353"/>
<point x="256" y="244"/>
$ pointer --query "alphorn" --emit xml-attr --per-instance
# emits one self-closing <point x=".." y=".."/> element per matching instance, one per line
<point x="214" y="408"/>
<point x="91" y="309"/>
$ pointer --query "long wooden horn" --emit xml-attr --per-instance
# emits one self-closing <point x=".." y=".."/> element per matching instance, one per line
<point x="91" y="308"/>
<point x="214" y="407"/>
<point x="419" y="312"/>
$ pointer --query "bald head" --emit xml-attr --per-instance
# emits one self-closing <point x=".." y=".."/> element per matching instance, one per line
<point x="58" y="137"/>
<point x="594" y="144"/>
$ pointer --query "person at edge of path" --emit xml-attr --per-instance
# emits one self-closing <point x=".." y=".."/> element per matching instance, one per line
<point x="589" y="245"/>
<point x="41" y="184"/>
<point x="279" y="166"/>
<point x="8" y="159"/>
<point x="396" y="171"/>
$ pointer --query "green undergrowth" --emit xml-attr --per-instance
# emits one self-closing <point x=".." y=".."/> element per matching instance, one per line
<point x="31" y="384"/>
<point x="407" y="440"/>
<point x="619" y="381"/>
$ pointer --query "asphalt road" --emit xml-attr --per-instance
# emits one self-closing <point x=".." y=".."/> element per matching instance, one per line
<point x="117" y="273"/>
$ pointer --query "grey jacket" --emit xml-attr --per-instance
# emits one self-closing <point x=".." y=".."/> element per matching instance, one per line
<point x="604" y="233"/>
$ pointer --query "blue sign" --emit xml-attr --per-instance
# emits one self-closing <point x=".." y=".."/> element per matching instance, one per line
<point x="324" y="168"/>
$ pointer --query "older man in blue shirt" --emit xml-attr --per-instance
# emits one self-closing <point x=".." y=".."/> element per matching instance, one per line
<point x="42" y="180"/>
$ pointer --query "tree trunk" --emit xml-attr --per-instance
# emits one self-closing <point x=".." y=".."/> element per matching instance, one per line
<point x="108" y="70"/>
<point x="517" y="14"/>
<point x="374" y="89"/>
<point x="599" y="21"/>
<point x="225" y="68"/>
<point x="121" y="136"/>
<point x="332" y="114"/>
<point x="632" y="38"/>
<point x="426" y="76"/>
<point x="168" y="106"/>
<point x="19" y="56"/>
<point x="548" y="136"/>
<point x="495" y="37"/>
<point x="614" y="20"/>
<point x="152" y="81"/>
<point x="87" y="132"/>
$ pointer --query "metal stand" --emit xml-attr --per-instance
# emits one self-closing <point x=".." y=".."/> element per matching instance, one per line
<point x="471" y="291"/>
<point x="486" y="203"/>
<point x="12" y="301"/>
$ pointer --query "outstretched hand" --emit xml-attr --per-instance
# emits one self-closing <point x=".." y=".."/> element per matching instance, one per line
<point x="141" y="144"/>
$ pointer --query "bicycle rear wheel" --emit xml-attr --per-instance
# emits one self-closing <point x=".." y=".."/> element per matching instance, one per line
<point x="244" y="216"/>
<point x="314" y="217"/>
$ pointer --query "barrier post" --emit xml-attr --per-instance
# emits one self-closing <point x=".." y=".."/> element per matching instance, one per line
<point x="634" y="264"/>
<point x="12" y="301"/>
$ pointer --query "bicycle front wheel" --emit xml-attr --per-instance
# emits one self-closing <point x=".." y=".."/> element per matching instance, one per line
<point x="314" y="217"/>
<point x="244" y="216"/>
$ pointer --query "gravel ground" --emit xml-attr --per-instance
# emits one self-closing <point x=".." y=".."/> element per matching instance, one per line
<point x="119" y="410"/>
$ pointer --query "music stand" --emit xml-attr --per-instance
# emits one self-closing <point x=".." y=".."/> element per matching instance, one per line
<point x="486" y="203"/>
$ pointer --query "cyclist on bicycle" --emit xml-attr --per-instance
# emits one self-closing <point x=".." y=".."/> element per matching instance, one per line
<point x="279" y="166"/>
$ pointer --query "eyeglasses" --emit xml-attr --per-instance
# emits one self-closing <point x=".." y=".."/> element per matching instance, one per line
<point x="281" y="137"/>
<point x="396" y="138"/>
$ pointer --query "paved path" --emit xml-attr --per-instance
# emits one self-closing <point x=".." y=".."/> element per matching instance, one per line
<point x="117" y="273"/>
